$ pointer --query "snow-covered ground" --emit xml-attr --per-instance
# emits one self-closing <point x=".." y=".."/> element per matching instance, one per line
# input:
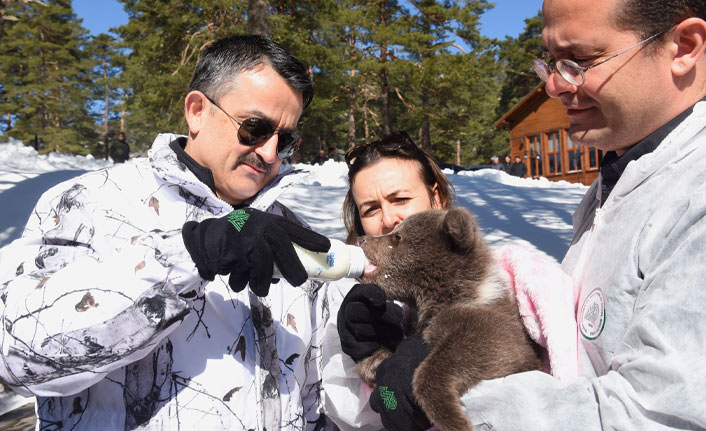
<point x="532" y="213"/>
<point x="25" y="175"/>
<point x="535" y="214"/>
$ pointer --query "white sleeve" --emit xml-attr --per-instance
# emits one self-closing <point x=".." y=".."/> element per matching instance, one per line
<point x="345" y="396"/>
<point x="73" y="309"/>
<point x="533" y="400"/>
<point x="657" y="374"/>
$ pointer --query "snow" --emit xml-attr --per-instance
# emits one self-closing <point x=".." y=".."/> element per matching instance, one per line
<point x="25" y="175"/>
<point x="532" y="213"/>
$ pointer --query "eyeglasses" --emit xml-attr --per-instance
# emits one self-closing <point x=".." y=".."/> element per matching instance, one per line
<point x="387" y="144"/>
<point x="571" y="71"/>
<point x="254" y="131"/>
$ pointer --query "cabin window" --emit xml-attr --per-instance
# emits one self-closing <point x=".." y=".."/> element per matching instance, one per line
<point x="535" y="155"/>
<point x="574" y="155"/>
<point x="594" y="157"/>
<point x="553" y="153"/>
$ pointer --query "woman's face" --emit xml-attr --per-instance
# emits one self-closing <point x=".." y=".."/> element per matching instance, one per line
<point x="389" y="191"/>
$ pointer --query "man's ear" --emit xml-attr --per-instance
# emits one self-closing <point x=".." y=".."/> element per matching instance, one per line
<point x="689" y="38"/>
<point x="195" y="111"/>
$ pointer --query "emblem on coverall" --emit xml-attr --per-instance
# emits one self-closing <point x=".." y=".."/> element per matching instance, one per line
<point x="592" y="319"/>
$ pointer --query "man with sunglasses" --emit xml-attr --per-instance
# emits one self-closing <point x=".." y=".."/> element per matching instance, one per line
<point x="142" y="296"/>
<point x="632" y="77"/>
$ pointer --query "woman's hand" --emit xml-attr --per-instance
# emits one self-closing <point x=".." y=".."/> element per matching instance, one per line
<point x="366" y="322"/>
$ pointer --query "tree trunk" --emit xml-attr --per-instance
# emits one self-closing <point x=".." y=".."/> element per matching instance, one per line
<point x="2" y="12"/>
<point x="107" y="106"/>
<point x="352" y="94"/>
<point x="386" y="114"/>
<point x="426" y="135"/>
<point x="42" y="79"/>
<point x="367" y="127"/>
<point x="351" y="115"/>
<point x="384" y="78"/>
<point x="258" y="19"/>
<point x="458" y="151"/>
<point x="122" y="117"/>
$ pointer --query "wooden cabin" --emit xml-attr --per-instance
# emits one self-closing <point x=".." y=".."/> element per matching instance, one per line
<point x="538" y="128"/>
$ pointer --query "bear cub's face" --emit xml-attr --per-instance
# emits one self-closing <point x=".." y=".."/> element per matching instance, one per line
<point x="430" y="250"/>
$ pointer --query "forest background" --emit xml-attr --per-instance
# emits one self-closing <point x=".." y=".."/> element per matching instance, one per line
<point x="378" y="66"/>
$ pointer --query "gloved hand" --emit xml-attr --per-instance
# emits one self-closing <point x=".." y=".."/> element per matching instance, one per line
<point x="245" y="244"/>
<point x="367" y="322"/>
<point x="393" y="398"/>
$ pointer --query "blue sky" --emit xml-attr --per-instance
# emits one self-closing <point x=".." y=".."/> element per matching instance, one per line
<point x="506" y="19"/>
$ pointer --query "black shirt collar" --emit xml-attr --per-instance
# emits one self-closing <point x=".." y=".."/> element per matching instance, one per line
<point x="202" y="173"/>
<point x="612" y="166"/>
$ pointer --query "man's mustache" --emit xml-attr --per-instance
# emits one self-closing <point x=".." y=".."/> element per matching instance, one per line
<point x="256" y="161"/>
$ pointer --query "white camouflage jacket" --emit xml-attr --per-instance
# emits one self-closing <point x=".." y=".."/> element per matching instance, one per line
<point x="639" y="266"/>
<point x="106" y="320"/>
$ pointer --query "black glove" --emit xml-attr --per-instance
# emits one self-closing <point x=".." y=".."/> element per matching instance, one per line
<point x="366" y="322"/>
<point x="245" y="244"/>
<point x="393" y="398"/>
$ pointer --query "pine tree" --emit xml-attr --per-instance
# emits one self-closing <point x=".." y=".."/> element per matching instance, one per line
<point x="354" y="80"/>
<point x="44" y="72"/>
<point x="5" y="8"/>
<point x="108" y="64"/>
<point x="385" y="36"/>
<point x="164" y="39"/>
<point x="258" y="18"/>
<point x="369" y="37"/>
<point x="302" y="27"/>
<point x="377" y="66"/>
<point x="452" y="86"/>
<point x="516" y="55"/>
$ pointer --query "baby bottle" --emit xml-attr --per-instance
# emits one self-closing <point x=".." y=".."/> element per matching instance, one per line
<point x="342" y="260"/>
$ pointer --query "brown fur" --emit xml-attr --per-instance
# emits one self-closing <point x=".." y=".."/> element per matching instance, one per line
<point x="438" y="264"/>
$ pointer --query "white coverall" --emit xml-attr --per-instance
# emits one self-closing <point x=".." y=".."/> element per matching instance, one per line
<point x="106" y="320"/>
<point x="639" y="268"/>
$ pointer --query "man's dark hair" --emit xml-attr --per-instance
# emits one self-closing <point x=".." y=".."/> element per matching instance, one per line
<point x="221" y="61"/>
<point x="648" y="17"/>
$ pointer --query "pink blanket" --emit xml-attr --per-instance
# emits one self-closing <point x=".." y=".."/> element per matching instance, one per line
<point x="545" y="298"/>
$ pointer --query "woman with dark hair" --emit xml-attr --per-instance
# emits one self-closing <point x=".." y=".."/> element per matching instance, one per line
<point x="390" y="179"/>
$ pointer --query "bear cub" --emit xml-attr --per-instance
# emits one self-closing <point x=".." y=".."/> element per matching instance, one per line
<point x="438" y="263"/>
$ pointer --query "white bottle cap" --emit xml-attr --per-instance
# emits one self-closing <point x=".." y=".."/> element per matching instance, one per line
<point x="358" y="262"/>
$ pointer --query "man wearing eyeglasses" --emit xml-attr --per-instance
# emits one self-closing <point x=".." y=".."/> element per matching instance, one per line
<point x="632" y="77"/>
<point x="142" y="296"/>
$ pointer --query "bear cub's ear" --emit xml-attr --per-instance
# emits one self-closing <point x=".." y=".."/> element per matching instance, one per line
<point x="460" y="228"/>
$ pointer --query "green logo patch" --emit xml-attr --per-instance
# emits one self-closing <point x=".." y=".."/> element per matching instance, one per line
<point x="237" y="218"/>
<point x="388" y="397"/>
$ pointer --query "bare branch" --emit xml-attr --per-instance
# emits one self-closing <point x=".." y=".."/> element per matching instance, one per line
<point x="459" y="47"/>
<point x="404" y="102"/>
<point x="187" y="53"/>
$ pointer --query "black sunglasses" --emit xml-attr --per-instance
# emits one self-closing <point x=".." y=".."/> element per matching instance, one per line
<point x="387" y="144"/>
<point x="254" y="131"/>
